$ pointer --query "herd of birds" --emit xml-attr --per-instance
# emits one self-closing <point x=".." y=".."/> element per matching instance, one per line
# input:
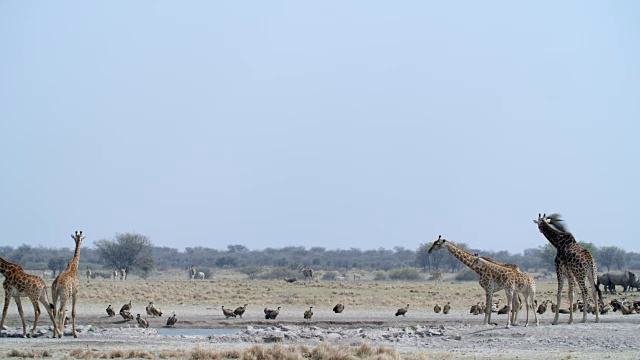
<point x="626" y="307"/>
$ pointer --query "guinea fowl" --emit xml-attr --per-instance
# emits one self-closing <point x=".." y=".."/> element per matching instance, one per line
<point x="437" y="308"/>
<point x="446" y="308"/>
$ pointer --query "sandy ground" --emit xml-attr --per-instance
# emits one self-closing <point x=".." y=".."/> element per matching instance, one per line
<point x="422" y="334"/>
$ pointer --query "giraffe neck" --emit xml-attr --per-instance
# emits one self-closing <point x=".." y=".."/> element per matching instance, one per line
<point x="557" y="238"/>
<point x="73" y="264"/>
<point x="460" y="254"/>
<point x="8" y="269"/>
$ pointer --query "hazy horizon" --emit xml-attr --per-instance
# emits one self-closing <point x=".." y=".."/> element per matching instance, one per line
<point x="358" y="124"/>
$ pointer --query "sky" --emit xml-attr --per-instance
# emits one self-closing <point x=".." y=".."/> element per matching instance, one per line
<point x="338" y="124"/>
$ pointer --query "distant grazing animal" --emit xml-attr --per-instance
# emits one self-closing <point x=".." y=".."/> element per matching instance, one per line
<point x="172" y="320"/>
<point x="123" y="274"/>
<point x="338" y="308"/>
<point x="126" y="315"/>
<point x="307" y="273"/>
<point x="437" y="308"/>
<point x="126" y="307"/>
<point x="290" y="280"/>
<point x="308" y="314"/>
<point x="437" y="277"/>
<point x="624" y="278"/>
<point x="240" y="310"/>
<point x="573" y="262"/>
<point x="19" y="284"/>
<point x="192" y="272"/>
<point x="446" y="308"/>
<point x="402" y="311"/>
<point x="115" y="274"/>
<point x="201" y="275"/>
<point x="111" y="311"/>
<point x="88" y="273"/>
<point x="142" y="322"/>
<point x="228" y="313"/>
<point x="272" y="314"/>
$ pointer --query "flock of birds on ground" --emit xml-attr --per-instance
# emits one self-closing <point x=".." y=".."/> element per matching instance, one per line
<point x="573" y="262"/>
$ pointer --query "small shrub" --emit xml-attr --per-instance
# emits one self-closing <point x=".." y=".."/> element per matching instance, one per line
<point x="279" y="273"/>
<point x="405" y="274"/>
<point x="21" y="354"/>
<point x="380" y="275"/>
<point x="467" y="275"/>
<point x="329" y="276"/>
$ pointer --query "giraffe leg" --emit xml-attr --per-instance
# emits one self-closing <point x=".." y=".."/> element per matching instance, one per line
<point x="558" y="298"/>
<point x="487" y="311"/>
<point x="24" y="324"/>
<point x="571" y="280"/>
<point x="535" y="313"/>
<point x="509" y="294"/>
<point x="44" y="299"/>
<point x="62" y="314"/>
<point x="594" y="294"/>
<point x="584" y="291"/>
<point x="7" y="300"/>
<point x="36" y="311"/>
<point x="73" y="314"/>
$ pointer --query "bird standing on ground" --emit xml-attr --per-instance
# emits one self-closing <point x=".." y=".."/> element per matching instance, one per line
<point x="437" y="308"/>
<point x="172" y="320"/>
<point x="402" y="311"/>
<point x="228" y="313"/>
<point x="338" y="308"/>
<point x="111" y="311"/>
<point x="308" y="314"/>
<point x="446" y="308"/>
<point x="142" y="321"/>
<point x="240" y="310"/>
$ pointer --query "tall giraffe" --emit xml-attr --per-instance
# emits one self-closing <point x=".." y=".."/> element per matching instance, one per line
<point x="19" y="284"/>
<point x="66" y="286"/>
<point x="573" y="262"/>
<point x="512" y="281"/>
<point x="467" y="259"/>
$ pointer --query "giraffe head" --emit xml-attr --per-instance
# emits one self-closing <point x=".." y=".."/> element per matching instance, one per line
<point x="477" y="260"/>
<point x="553" y="220"/>
<point x="77" y="237"/>
<point x="438" y="244"/>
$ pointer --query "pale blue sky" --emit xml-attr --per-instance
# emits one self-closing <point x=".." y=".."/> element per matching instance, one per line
<point x="336" y="123"/>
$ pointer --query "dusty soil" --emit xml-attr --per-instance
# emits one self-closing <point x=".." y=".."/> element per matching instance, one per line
<point x="421" y="334"/>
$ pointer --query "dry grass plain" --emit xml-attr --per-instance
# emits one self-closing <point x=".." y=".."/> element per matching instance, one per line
<point x="368" y="304"/>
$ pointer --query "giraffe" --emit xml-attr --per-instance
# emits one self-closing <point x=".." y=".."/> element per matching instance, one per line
<point x="123" y="274"/>
<point x="512" y="281"/>
<point x="192" y="272"/>
<point x="66" y="286"/>
<point x="573" y="262"/>
<point x="19" y="284"/>
<point x="467" y="259"/>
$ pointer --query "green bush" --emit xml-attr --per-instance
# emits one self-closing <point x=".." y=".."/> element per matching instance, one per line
<point x="279" y="273"/>
<point x="405" y="274"/>
<point x="329" y="275"/>
<point x="380" y="275"/>
<point x="467" y="274"/>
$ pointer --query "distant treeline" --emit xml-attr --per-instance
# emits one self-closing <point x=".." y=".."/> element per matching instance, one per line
<point x="318" y="258"/>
